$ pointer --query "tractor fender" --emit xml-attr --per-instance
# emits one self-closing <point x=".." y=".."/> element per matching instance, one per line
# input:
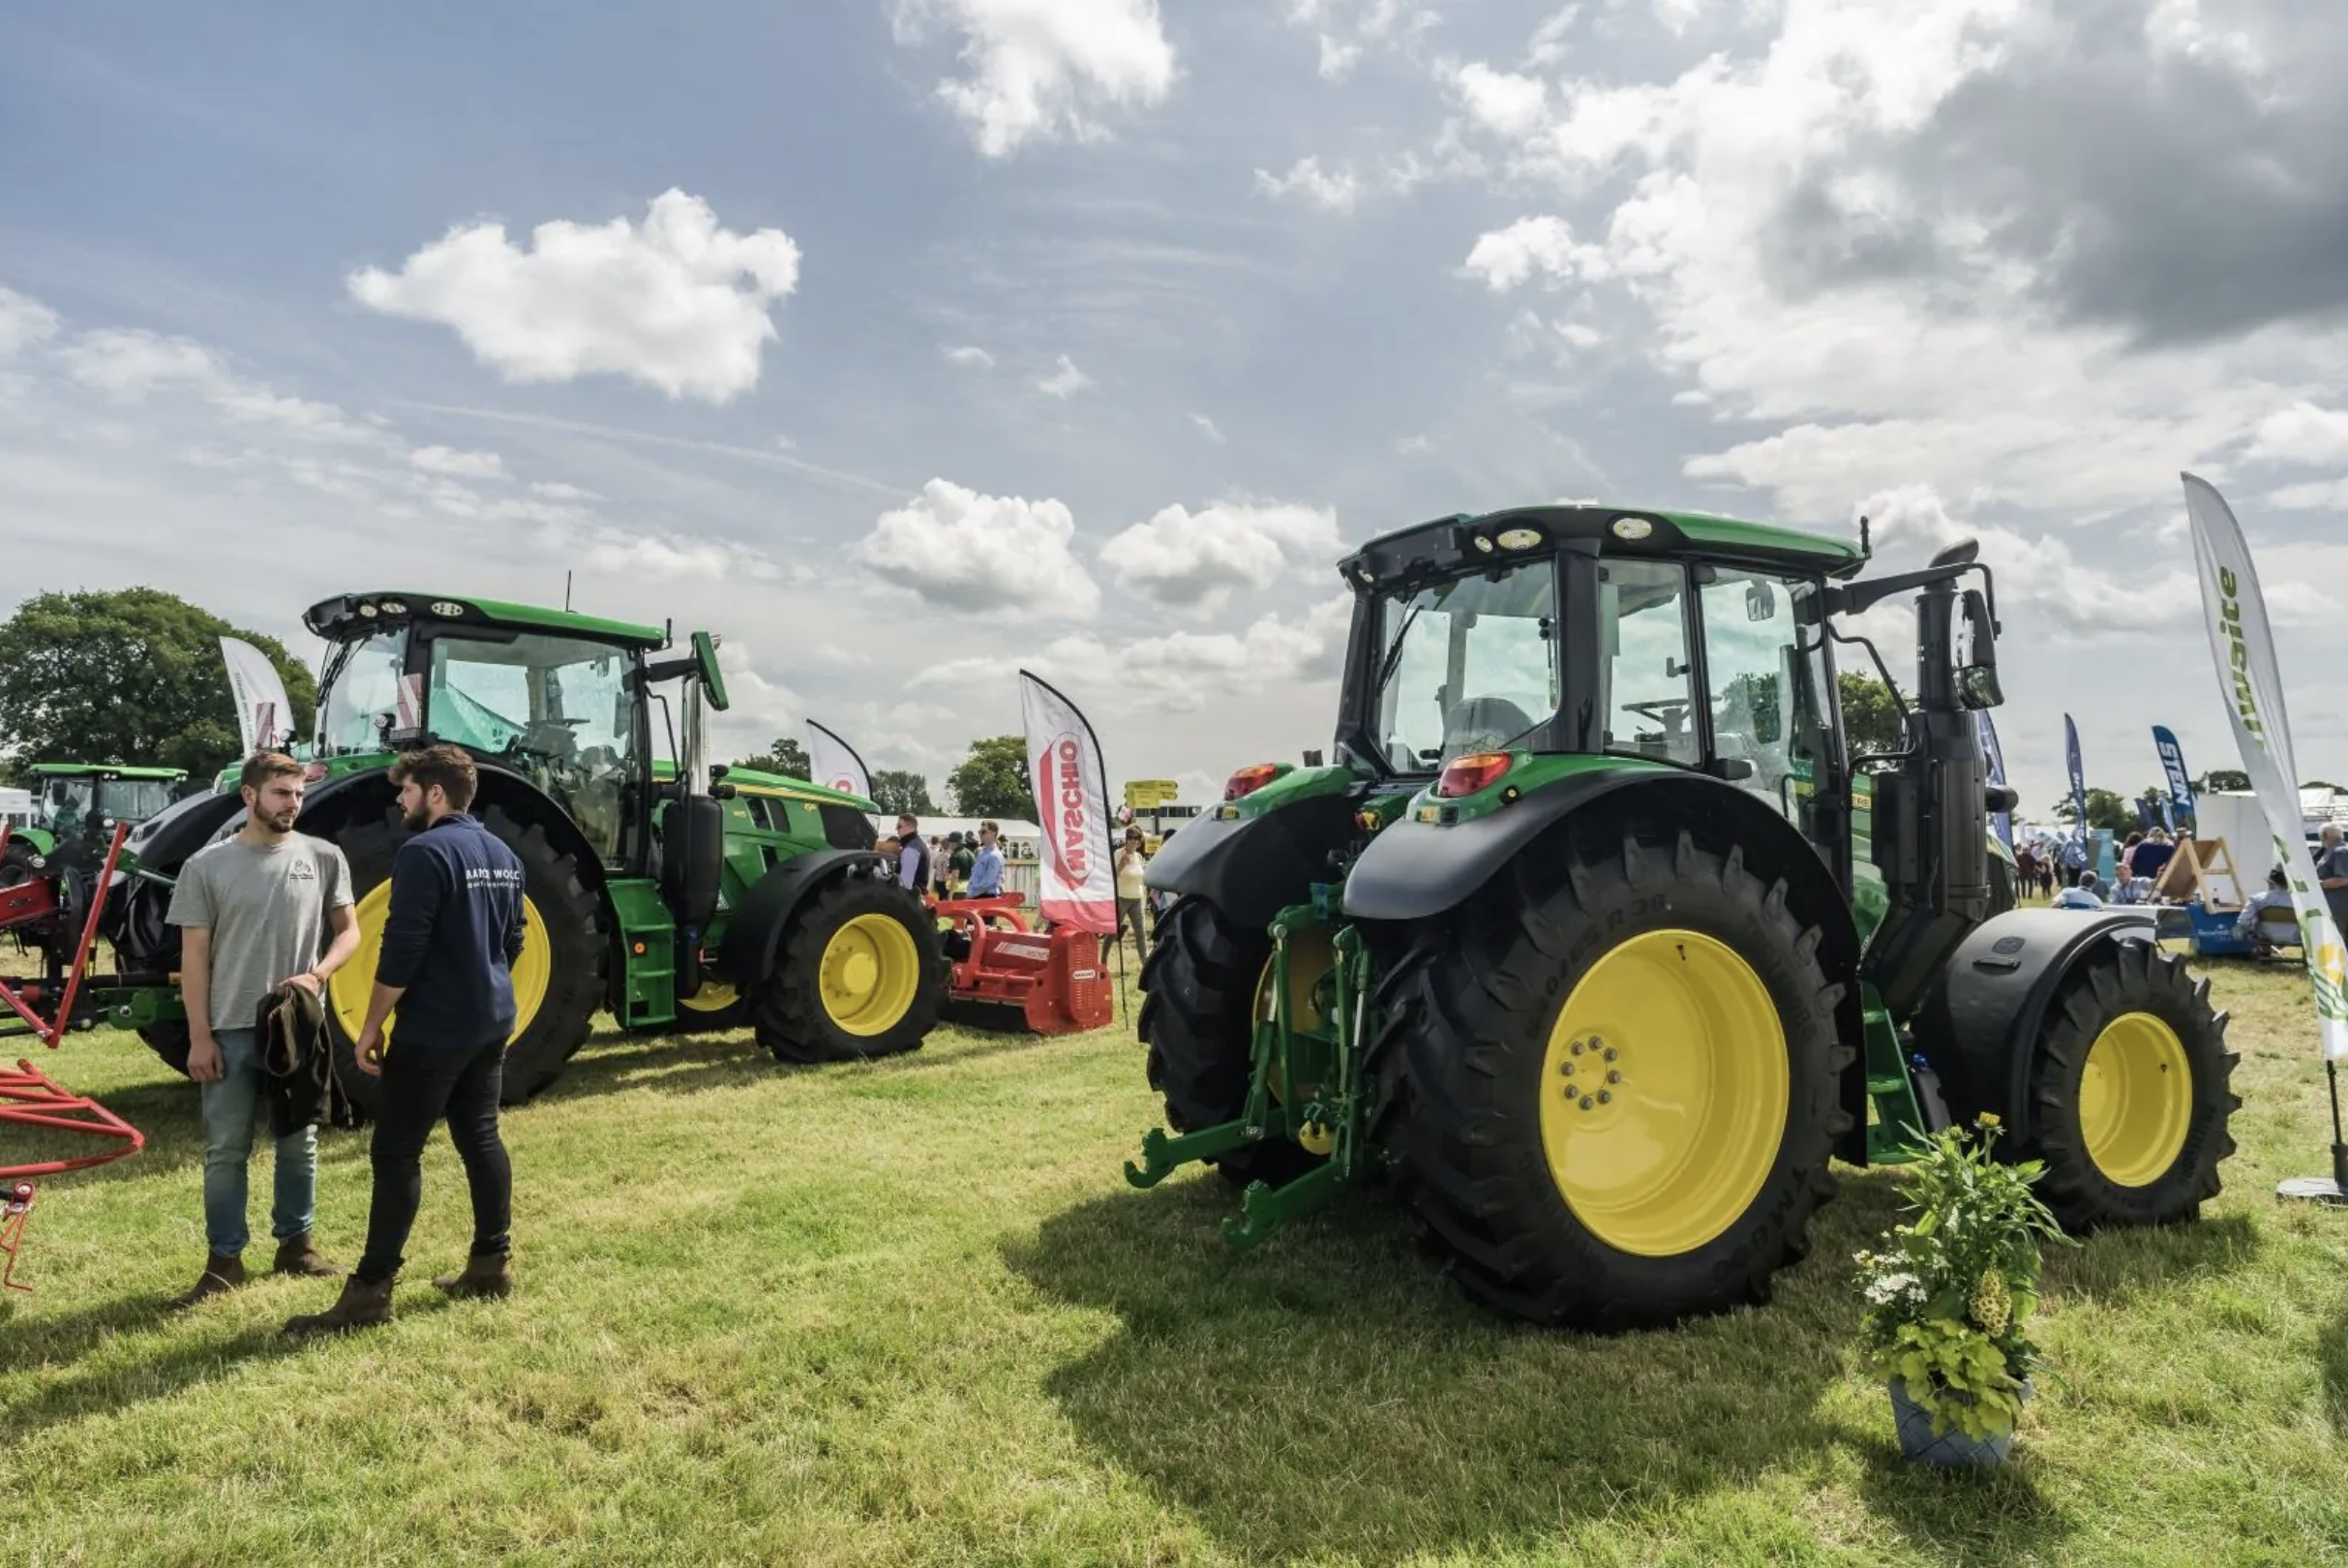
<point x="1995" y="990"/>
<point x="334" y="802"/>
<point x="754" y="930"/>
<point x="1251" y="867"/>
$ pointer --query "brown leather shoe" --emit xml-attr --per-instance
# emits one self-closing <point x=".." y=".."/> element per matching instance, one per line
<point x="360" y="1306"/>
<point x="223" y="1274"/>
<point x="491" y="1276"/>
<point x="297" y="1254"/>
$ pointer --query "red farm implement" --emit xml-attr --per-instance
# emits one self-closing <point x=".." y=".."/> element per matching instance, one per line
<point x="55" y="917"/>
<point x="1055" y="977"/>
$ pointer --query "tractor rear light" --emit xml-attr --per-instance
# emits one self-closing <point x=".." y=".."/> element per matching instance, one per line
<point x="1472" y="773"/>
<point x="1247" y="780"/>
<point x="311" y="772"/>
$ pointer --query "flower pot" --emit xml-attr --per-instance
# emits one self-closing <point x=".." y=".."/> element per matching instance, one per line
<point x="1952" y="1447"/>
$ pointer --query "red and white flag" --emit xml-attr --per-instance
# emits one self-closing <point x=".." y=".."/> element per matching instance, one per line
<point x="835" y="764"/>
<point x="1079" y="882"/>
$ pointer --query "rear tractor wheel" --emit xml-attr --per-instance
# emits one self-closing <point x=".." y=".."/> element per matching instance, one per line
<point x="2129" y="1092"/>
<point x="1618" y="1083"/>
<point x="859" y="976"/>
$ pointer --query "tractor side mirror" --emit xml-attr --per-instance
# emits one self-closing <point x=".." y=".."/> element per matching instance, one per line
<point x="1761" y="602"/>
<point x="1977" y="686"/>
<point x="705" y="655"/>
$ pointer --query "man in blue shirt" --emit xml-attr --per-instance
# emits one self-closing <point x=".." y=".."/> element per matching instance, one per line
<point x="2277" y="896"/>
<point x="986" y="872"/>
<point x="2083" y="895"/>
<point x="450" y="939"/>
<point x="913" y="855"/>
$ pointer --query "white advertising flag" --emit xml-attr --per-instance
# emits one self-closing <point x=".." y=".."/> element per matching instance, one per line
<point x="835" y="764"/>
<point x="264" y="718"/>
<point x="1079" y="882"/>
<point x="2236" y="612"/>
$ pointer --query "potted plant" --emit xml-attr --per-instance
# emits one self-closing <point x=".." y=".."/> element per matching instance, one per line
<point x="1949" y="1297"/>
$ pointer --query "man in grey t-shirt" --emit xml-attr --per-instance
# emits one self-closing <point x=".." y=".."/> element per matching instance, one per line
<point x="253" y="910"/>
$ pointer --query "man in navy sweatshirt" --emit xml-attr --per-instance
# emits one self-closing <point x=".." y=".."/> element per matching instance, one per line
<point x="450" y="940"/>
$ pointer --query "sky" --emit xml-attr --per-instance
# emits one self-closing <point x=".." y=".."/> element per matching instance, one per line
<point x="906" y="342"/>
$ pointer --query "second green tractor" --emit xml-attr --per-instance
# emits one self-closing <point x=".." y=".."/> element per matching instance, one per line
<point x="1594" y="940"/>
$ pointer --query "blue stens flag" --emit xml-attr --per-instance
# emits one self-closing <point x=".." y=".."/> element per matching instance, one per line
<point x="2070" y="742"/>
<point x="2180" y="783"/>
<point x="2002" y="821"/>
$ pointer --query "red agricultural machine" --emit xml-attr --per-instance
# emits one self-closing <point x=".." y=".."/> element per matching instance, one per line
<point x="1055" y="977"/>
<point x="54" y="916"/>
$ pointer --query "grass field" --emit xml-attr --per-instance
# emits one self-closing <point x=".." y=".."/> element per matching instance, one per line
<point x="911" y="1314"/>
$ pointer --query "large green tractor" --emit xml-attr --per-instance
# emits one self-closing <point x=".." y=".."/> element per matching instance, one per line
<point x="1593" y="940"/>
<point x="77" y="805"/>
<point x="671" y="895"/>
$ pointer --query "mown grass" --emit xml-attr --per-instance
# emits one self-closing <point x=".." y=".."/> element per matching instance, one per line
<point x="911" y="1314"/>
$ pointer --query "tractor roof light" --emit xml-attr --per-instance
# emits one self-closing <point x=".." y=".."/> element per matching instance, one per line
<point x="1472" y="773"/>
<point x="1247" y="780"/>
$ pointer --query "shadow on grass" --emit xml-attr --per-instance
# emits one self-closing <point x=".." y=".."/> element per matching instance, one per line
<point x="1331" y="1394"/>
<point x="690" y="1064"/>
<point x="176" y="1364"/>
<point x="2331" y="1357"/>
<point x="2117" y="1266"/>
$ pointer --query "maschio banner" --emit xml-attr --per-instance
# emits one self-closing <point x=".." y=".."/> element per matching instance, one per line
<point x="2236" y="612"/>
<point x="835" y="764"/>
<point x="1078" y="883"/>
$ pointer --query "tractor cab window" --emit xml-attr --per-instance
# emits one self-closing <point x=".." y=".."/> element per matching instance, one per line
<point x="65" y="802"/>
<point x="1469" y="665"/>
<point x="362" y="695"/>
<point x="1764" y="656"/>
<point x="555" y="709"/>
<point x="135" y="799"/>
<point x="1646" y="678"/>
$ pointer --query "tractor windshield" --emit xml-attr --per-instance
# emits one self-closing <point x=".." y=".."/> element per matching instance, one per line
<point x="133" y="799"/>
<point x="361" y="703"/>
<point x="557" y="709"/>
<point x="1470" y="665"/>
<point x="63" y="804"/>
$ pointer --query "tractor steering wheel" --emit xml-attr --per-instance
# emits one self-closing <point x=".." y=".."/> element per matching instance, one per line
<point x="1671" y="720"/>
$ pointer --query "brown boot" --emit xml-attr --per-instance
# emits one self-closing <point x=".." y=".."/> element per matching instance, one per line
<point x="223" y="1272"/>
<point x="490" y="1276"/>
<point x="297" y="1254"/>
<point x="360" y="1306"/>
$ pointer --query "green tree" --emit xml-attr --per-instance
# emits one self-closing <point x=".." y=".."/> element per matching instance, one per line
<point x="894" y="789"/>
<point x="992" y="780"/>
<point x="783" y="757"/>
<point x="2105" y="809"/>
<point x="2321" y="784"/>
<point x="1872" y="721"/>
<point x="2221" y="780"/>
<point x="128" y="675"/>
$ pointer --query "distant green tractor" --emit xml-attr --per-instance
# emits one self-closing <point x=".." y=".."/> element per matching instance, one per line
<point x="77" y="805"/>
<point x="672" y="895"/>
<point x="1592" y="938"/>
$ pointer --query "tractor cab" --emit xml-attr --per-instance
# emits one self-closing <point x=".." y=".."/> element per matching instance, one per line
<point x="83" y="799"/>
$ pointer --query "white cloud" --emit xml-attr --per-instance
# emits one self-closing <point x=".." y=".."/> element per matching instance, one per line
<point x="2318" y="495"/>
<point x="554" y="491"/>
<point x="970" y="356"/>
<point x="669" y="559"/>
<point x="2302" y="433"/>
<point x="1208" y="428"/>
<point x="1000" y="554"/>
<point x="24" y="323"/>
<point x="1412" y="447"/>
<point x="459" y="464"/>
<point x="1501" y="101"/>
<point x="1329" y="189"/>
<point x="1195" y="561"/>
<point x="1530" y="248"/>
<point x="133" y="366"/>
<point x="1344" y="29"/>
<point x="1043" y="69"/>
<point x="680" y="303"/>
<point x="1064" y="381"/>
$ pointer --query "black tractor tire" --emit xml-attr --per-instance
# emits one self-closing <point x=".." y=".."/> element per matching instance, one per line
<point x="2110" y="982"/>
<point x="787" y="1005"/>
<point x="1199" y="989"/>
<point x="1468" y="1012"/>
<point x="16" y="863"/>
<point x="170" y="1040"/>
<point x="579" y="964"/>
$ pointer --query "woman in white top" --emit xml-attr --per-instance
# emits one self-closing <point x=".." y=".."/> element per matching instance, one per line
<point x="1130" y="892"/>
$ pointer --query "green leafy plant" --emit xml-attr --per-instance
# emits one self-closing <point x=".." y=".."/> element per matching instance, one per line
<point x="1950" y="1293"/>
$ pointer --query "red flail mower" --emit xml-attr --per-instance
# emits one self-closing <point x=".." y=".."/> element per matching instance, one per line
<point x="43" y="915"/>
<point x="1056" y="978"/>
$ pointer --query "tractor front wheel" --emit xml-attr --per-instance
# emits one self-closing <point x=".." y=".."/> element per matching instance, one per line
<point x="1204" y="986"/>
<point x="1617" y="1082"/>
<point x="2130" y="1092"/>
<point x="859" y="975"/>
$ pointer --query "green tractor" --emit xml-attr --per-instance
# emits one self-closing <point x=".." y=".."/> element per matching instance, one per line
<point x="77" y="805"/>
<point x="672" y="895"/>
<point x="1592" y="939"/>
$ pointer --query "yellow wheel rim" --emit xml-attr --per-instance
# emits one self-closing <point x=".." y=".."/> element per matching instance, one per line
<point x="2135" y="1099"/>
<point x="1311" y="958"/>
<point x="869" y="974"/>
<point x="1664" y="1092"/>
<point x="714" y="996"/>
<point x="349" y="989"/>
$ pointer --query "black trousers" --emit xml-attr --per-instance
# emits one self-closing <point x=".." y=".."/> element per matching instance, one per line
<point x="421" y="1085"/>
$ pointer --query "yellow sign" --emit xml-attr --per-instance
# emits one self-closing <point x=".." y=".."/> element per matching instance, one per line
<point x="1144" y="793"/>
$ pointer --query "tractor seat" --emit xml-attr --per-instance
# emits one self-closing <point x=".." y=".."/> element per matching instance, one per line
<point x="1482" y="724"/>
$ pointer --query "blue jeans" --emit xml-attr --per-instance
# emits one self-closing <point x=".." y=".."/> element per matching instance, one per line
<point x="231" y="1107"/>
